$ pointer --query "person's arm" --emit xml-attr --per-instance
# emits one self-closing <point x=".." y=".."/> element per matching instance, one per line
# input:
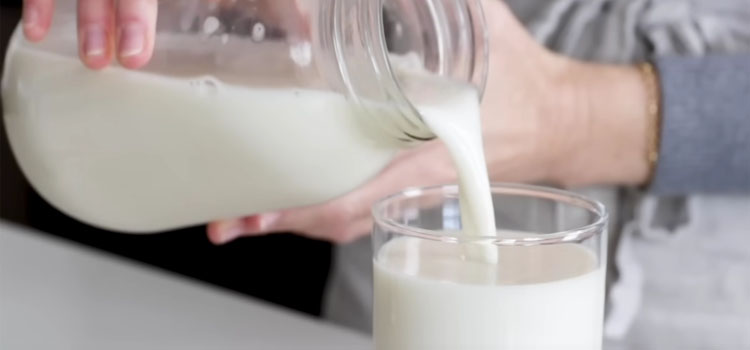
<point x="609" y="139"/>
<point x="546" y="118"/>
<point x="704" y="134"/>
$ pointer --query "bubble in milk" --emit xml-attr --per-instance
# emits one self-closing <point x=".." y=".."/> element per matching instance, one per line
<point x="301" y="53"/>
<point x="211" y="25"/>
<point x="259" y="32"/>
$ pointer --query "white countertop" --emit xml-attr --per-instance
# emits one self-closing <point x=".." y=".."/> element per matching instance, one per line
<point x="59" y="295"/>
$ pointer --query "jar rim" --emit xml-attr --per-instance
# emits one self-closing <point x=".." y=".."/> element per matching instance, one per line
<point x="480" y="66"/>
<point x="449" y="37"/>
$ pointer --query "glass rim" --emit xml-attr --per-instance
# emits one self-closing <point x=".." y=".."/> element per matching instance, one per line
<point x="574" y="235"/>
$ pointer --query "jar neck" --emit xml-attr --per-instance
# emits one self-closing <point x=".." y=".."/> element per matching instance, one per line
<point x="447" y="37"/>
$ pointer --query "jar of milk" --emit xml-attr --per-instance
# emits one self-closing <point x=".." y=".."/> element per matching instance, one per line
<point x="247" y="106"/>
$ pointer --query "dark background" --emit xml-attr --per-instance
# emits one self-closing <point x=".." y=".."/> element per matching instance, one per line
<point x="283" y="269"/>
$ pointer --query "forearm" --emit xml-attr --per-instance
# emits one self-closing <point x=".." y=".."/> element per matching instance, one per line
<point x="554" y="119"/>
<point x="703" y="127"/>
<point x="610" y="144"/>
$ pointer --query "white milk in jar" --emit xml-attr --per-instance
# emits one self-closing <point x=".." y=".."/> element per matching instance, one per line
<point x="246" y="107"/>
<point x="141" y="152"/>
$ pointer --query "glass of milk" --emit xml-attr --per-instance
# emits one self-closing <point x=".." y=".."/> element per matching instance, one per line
<point x="435" y="290"/>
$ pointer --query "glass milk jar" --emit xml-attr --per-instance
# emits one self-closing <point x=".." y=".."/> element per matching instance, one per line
<point x="247" y="106"/>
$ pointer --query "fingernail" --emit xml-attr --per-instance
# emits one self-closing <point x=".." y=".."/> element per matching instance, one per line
<point x="30" y="16"/>
<point x="95" y="41"/>
<point x="132" y="39"/>
<point x="267" y="221"/>
<point x="230" y="231"/>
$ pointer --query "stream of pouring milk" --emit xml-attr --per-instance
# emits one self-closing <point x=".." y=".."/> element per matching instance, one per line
<point x="453" y="115"/>
<point x="452" y="111"/>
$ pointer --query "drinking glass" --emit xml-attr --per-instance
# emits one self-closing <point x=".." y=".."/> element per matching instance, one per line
<point x="537" y="284"/>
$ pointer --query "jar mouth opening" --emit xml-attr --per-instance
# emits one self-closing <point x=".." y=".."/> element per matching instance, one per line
<point x="462" y="57"/>
<point x="448" y="38"/>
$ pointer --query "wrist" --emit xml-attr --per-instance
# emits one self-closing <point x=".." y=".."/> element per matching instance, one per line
<point x="605" y="138"/>
<point x="566" y="113"/>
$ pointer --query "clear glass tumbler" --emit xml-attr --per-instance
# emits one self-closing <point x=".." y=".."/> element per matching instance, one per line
<point x="434" y="289"/>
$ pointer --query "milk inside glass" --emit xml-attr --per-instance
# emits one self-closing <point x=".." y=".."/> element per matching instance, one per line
<point x="542" y="297"/>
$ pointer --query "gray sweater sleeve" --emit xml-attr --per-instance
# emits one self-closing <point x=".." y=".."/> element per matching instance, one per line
<point x="705" y="139"/>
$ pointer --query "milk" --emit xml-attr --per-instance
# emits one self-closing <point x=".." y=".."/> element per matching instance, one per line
<point x="432" y="295"/>
<point x="543" y="297"/>
<point x="141" y="152"/>
<point x="451" y="111"/>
